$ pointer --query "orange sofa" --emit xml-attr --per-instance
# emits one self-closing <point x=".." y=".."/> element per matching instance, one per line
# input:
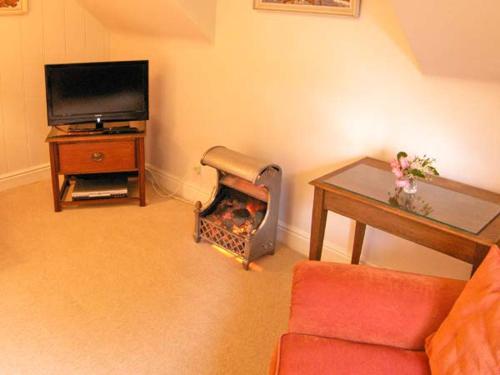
<point x="359" y="320"/>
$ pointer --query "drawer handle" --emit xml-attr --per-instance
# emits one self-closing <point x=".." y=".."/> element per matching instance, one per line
<point x="97" y="156"/>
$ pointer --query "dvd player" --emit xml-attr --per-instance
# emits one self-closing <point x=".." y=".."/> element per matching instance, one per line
<point x="100" y="186"/>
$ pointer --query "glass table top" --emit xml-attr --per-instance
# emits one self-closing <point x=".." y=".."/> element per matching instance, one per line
<point x="434" y="202"/>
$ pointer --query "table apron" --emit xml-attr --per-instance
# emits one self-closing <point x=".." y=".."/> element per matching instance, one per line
<point x="404" y="227"/>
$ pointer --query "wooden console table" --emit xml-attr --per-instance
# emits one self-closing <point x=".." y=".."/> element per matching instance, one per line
<point x="455" y="219"/>
<point x="74" y="154"/>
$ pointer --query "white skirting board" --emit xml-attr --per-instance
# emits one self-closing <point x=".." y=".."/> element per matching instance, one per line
<point x="298" y="240"/>
<point x="182" y="189"/>
<point x="292" y="237"/>
<point x="24" y="176"/>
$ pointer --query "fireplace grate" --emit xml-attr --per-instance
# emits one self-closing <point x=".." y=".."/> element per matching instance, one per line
<point x="222" y="237"/>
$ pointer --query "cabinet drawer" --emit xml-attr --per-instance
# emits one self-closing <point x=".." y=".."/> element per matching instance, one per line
<point x="95" y="157"/>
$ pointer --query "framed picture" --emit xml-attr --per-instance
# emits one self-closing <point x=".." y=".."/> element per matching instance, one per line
<point x="342" y="7"/>
<point x="8" y="7"/>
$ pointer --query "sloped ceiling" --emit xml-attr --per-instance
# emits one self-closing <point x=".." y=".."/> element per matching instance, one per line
<point x="173" y="18"/>
<point x="457" y="38"/>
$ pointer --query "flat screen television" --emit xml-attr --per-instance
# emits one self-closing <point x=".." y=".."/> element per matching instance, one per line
<point x="97" y="92"/>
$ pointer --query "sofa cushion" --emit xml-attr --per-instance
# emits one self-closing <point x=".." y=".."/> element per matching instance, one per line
<point x="370" y="305"/>
<point x="311" y="355"/>
<point x="468" y="340"/>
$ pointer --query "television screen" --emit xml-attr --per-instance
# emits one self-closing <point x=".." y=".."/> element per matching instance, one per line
<point x="97" y="92"/>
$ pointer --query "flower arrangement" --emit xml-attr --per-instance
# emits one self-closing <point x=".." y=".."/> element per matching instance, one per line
<point x="407" y="170"/>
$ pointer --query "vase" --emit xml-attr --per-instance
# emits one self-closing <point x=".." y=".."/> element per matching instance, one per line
<point x="411" y="188"/>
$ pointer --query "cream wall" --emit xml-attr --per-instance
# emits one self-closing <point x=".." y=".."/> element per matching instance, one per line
<point x="54" y="31"/>
<point x="313" y="93"/>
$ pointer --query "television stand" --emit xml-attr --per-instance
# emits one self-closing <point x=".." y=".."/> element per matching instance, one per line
<point x="75" y="154"/>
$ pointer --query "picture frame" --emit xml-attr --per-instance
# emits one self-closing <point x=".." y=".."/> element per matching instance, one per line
<point x="337" y="7"/>
<point x="13" y="7"/>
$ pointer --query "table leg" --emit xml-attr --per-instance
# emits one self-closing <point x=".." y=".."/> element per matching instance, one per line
<point x="55" y="177"/>
<point x="318" y="224"/>
<point x="480" y="254"/>
<point x="142" y="172"/>
<point x="359" y="236"/>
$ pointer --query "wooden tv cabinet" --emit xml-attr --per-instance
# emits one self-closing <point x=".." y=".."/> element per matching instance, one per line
<point x="73" y="154"/>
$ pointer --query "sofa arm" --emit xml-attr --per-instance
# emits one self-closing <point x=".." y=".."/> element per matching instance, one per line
<point x="370" y="305"/>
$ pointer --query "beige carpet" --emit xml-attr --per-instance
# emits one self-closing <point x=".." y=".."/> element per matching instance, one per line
<point x="124" y="290"/>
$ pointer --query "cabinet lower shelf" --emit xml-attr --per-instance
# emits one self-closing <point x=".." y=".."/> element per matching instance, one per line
<point x="68" y="186"/>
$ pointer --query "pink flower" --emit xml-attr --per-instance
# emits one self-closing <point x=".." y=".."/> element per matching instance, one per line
<point x="396" y="168"/>
<point x="397" y="172"/>
<point x="404" y="163"/>
<point x="402" y="183"/>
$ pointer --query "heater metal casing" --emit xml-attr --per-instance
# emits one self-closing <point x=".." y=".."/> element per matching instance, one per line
<point x="253" y="178"/>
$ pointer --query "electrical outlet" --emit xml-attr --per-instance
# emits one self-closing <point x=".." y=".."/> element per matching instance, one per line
<point x="197" y="170"/>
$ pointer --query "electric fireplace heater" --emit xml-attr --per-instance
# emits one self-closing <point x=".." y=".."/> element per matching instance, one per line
<point x="242" y="216"/>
